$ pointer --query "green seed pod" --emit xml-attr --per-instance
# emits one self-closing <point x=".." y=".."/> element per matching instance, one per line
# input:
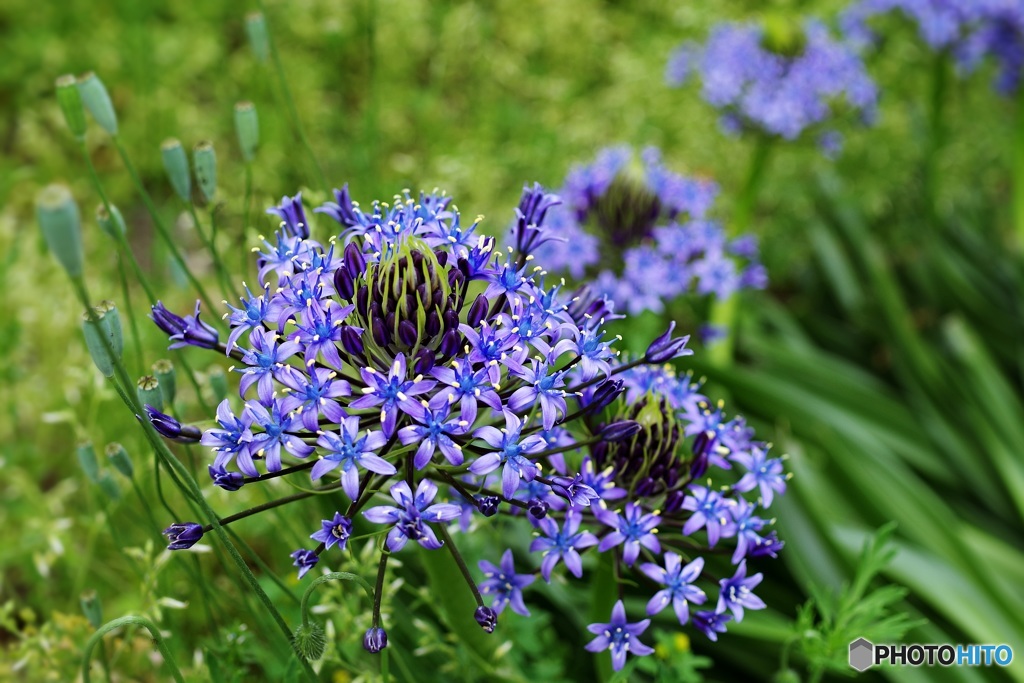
<point x="87" y="459"/>
<point x="113" y="322"/>
<point x="176" y="164"/>
<point x="108" y="323"/>
<point x="97" y="100"/>
<point x="310" y="640"/>
<point x="111" y="223"/>
<point x="118" y="457"/>
<point x="58" y="217"/>
<point x="109" y="486"/>
<point x="218" y="384"/>
<point x="204" y="163"/>
<point x="70" y="101"/>
<point x="247" y="125"/>
<point x="256" y="29"/>
<point x="91" y="608"/>
<point x="148" y="390"/>
<point x="163" y="370"/>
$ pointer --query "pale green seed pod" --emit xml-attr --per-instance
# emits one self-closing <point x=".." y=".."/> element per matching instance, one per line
<point x="59" y="220"/>
<point x="108" y="323"/>
<point x="87" y="459"/>
<point x="164" y="372"/>
<point x="109" y="486"/>
<point x="112" y="223"/>
<point x="97" y="100"/>
<point x="247" y="126"/>
<point x="91" y="608"/>
<point x="118" y="457"/>
<point x="176" y="164"/>
<point x="218" y="384"/>
<point x="256" y="29"/>
<point x="310" y="640"/>
<point x="204" y="163"/>
<point x="70" y="100"/>
<point x="148" y="390"/>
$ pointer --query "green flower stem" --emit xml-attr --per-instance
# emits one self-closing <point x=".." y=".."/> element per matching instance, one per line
<point x="724" y="312"/>
<point x="263" y="566"/>
<point x="378" y="590"/>
<point x="210" y="243"/>
<point x="244" y="253"/>
<point x="126" y="621"/>
<point x="461" y="562"/>
<point x="222" y="522"/>
<point x="191" y="489"/>
<point x="333" y="576"/>
<point x="290" y="104"/>
<point x="158" y="223"/>
<point x="132" y="323"/>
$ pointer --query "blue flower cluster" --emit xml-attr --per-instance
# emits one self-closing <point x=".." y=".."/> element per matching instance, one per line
<point x="644" y="238"/>
<point x="970" y="30"/>
<point x="427" y="379"/>
<point x="780" y="87"/>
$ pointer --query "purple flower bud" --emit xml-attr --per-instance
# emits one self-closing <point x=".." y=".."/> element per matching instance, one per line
<point x="344" y="283"/>
<point x="183" y="535"/>
<point x="486" y="617"/>
<point x="620" y="430"/>
<point x="380" y="334"/>
<point x="189" y="330"/>
<point x="477" y="311"/>
<point x="538" y="508"/>
<point x="449" y="344"/>
<point x="351" y="340"/>
<point x="488" y="505"/>
<point x="605" y="393"/>
<point x="304" y="560"/>
<point x="424" y="361"/>
<point x="665" y="348"/>
<point x="674" y="502"/>
<point x="407" y="333"/>
<point x="229" y="481"/>
<point x="355" y="262"/>
<point x="375" y="640"/>
<point x="170" y="428"/>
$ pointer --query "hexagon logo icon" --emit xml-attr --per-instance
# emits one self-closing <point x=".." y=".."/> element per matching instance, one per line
<point x="862" y="654"/>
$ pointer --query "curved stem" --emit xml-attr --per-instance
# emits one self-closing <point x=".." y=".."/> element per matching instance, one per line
<point x="333" y="576"/>
<point x="125" y="621"/>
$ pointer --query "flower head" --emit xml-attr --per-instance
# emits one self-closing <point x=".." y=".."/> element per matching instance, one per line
<point x="411" y="517"/>
<point x="505" y="584"/>
<point x="619" y="636"/>
<point x="183" y="535"/>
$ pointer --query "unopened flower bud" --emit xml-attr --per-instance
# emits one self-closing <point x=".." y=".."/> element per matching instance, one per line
<point x="58" y="217"/>
<point x="538" y="508"/>
<point x="310" y="640"/>
<point x="112" y="222"/>
<point x="256" y="29"/>
<point x="164" y="372"/>
<point x="87" y="459"/>
<point x="488" y="505"/>
<point x="665" y="348"/>
<point x="70" y="101"/>
<point x="620" y="430"/>
<point x="97" y="100"/>
<point x="486" y="617"/>
<point x="118" y="457"/>
<point x="222" y="478"/>
<point x="148" y="390"/>
<point x="247" y="126"/>
<point x="176" y="165"/>
<point x="204" y="163"/>
<point x="183" y="535"/>
<point x="375" y="640"/>
<point x="169" y="428"/>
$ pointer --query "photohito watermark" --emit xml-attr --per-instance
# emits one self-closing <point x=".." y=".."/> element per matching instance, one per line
<point x="864" y="654"/>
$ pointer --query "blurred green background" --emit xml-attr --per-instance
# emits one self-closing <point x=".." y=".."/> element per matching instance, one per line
<point x="885" y="358"/>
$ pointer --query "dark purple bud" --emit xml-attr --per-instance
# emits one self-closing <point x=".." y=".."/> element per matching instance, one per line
<point x="407" y="333"/>
<point x="605" y="393"/>
<point x="229" y="481"/>
<point x="449" y="344"/>
<point x="355" y="262"/>
<point x="703" y="443"/>
<point x="169" y="428"/>
<point x="433" y="324"/>
<point x="442" y="258"/>
<point x="645" y="487"/>
<point x="362" y="300"/>
<point x="674" y="502"/>
<point x="665" y="348"/>
<point x="189" y="330"/>
<point x="699" y="465"/>
<point x="168" y="322"/>
<point x="464" y="267"/>
<point x="486" y="617"/>
<point x="451" y="320"/>
<point x="183" y="535"/>
<point x="455" y="278"/>
<point x="488" y="505"/>
<point x="619" y="431"/>
<point x="344" y="283"/>
<point x="304" y="560"/>
<point x="769" y="546"/>
<point x="477" y="311"/>
<point x="375" y="640"/>
<point x="538" y="508"/>
<point x="424" y="361"/>
<point x="380" y="335"/>
<point x="574" y="490"/>
<point x="351" y="340"/>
